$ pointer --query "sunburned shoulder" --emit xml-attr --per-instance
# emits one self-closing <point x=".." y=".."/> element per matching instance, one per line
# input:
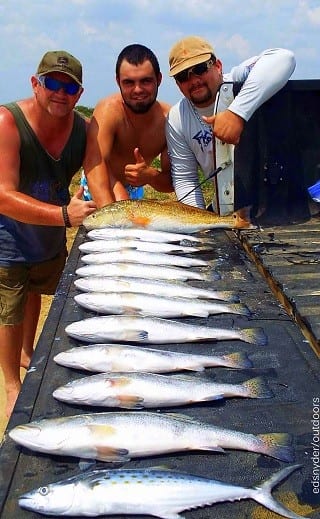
<point x="113" y="101"/>
<point x="165" y="107"/>
<point x="109" y="107"/>
<point x="6" y="117"/>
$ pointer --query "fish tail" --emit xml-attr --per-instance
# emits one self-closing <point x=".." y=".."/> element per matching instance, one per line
<point x="238" y="360"/>
<point x="229" y="296"/>
<point x="224" y="295"/>
<point x="262" y="493"/>
<point x="212" y="275"/>
<point x="257" y="388"/>
<point x="277" y="445"/>
<point x="240" y="309"/>
<point x="241" y="223"/>
<point x="254" y="336"/>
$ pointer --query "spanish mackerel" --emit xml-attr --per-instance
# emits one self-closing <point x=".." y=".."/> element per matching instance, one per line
<point x="151" y="491"/>
<point x="161" y="215"/>
<point x="153" y="330"/>
<point x="121" y="357"/>
<point x="168" y="288"/>
<point x="120" y="436"/>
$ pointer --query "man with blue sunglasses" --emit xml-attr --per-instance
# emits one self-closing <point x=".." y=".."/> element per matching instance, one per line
<point x="196" y="122"/>
<point x="42" y="145"/>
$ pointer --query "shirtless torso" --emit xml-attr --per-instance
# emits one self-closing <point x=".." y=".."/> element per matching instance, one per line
<point x="127" y="132"/>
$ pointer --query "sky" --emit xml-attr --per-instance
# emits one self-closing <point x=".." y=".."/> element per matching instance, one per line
<point x="95" y="31"/>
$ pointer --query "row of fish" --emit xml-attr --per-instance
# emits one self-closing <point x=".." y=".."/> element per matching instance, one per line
<point x="122" y="278"/>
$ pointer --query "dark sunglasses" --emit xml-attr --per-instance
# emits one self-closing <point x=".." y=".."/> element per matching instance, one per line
<point x="197" y="70"/>
<point x="54" y="84"/>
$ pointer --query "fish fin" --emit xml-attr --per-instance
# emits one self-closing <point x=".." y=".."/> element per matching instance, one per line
<point x="197" y="313"/>
<point x="101" y="430"/>
<point x="257" y="388"/>
<point x="111" y="454"/>
<point x="212" y="397"/>
<point x="212" y="275"/>
<point x="240" y="309"/>
<point x="118" y="382"/>
<point x="238" y="360"/>
<point x="135" y="335"/>
<point x="262" y="493"/>
<point x="86" y="464"/>
<point x="130" y="310"/>
<point x="211" y="448"/>
<point x="228" y="296"/>
<point x="277" y="445"/>
<point x="167" y="515"/>
<point x="254" y="336"/>
<point x="140" y="221"/>
<point x="130" y="402"/>
<point x="182" y="417"/>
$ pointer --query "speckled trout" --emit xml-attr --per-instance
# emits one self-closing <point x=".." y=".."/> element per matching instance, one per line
<point x="161" y="287"/>
<point x="146" y="271"/>
<point x="151" y="491"/>
<point x="159" y="215"/>
<point x="146" y="246"/>
<point x="143" y="257"/>
<point x="120" y="436"/>
<point x="155" y="330"/>
<point x="147" y="235"/>
<point x="131" y="303"/>
<point x="121" y="357"/>
<point x="146" y="390"/>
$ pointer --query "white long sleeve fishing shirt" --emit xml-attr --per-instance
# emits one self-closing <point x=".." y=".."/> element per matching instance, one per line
<point x="190" y="139"/>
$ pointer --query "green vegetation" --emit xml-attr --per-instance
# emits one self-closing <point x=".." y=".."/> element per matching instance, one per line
<point x="84" y="110"/>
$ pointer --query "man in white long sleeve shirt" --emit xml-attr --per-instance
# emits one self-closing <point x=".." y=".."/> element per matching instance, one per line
<point x="191" y="128"/>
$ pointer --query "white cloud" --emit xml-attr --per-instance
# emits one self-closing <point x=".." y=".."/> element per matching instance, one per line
<point x="314" y="15"/>
<point x="97" y="30"/>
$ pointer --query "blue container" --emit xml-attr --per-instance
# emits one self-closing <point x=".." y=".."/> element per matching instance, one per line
<point x="135" y="193"/>
<point x="314" y="191"/>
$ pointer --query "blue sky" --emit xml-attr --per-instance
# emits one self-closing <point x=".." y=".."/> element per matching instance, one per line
<point x="96" y="31"/>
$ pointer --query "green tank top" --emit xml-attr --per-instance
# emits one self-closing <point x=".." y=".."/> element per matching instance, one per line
<point x="46" y="179"/>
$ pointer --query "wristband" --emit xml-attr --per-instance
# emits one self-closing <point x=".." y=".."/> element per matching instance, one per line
<point x="65" y="216"/>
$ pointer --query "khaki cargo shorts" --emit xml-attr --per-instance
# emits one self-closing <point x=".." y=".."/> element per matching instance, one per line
<point x="17" y="281"/>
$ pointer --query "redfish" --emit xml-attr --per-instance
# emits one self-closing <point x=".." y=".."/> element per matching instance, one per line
<point x="159" y="215"/>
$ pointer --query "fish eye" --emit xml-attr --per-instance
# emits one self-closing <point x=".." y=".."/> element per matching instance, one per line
<point x="43" y="491"/>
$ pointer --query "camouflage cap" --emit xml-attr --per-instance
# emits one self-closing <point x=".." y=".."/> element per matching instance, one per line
<point x="61" y="61"/>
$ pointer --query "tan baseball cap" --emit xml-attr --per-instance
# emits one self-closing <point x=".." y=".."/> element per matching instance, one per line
<point x="188" y="52"/>
<point x="61" y="61"/>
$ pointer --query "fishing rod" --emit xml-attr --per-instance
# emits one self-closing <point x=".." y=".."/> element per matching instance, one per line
<point x="212" y="175"/>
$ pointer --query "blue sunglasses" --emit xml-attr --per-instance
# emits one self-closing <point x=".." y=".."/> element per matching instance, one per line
<point x="54" y="84"/>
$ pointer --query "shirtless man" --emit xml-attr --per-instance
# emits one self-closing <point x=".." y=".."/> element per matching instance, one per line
<point x="127" y="131"/>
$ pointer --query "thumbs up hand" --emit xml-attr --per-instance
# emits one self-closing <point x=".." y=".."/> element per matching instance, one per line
<point x="137" y="174"/>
